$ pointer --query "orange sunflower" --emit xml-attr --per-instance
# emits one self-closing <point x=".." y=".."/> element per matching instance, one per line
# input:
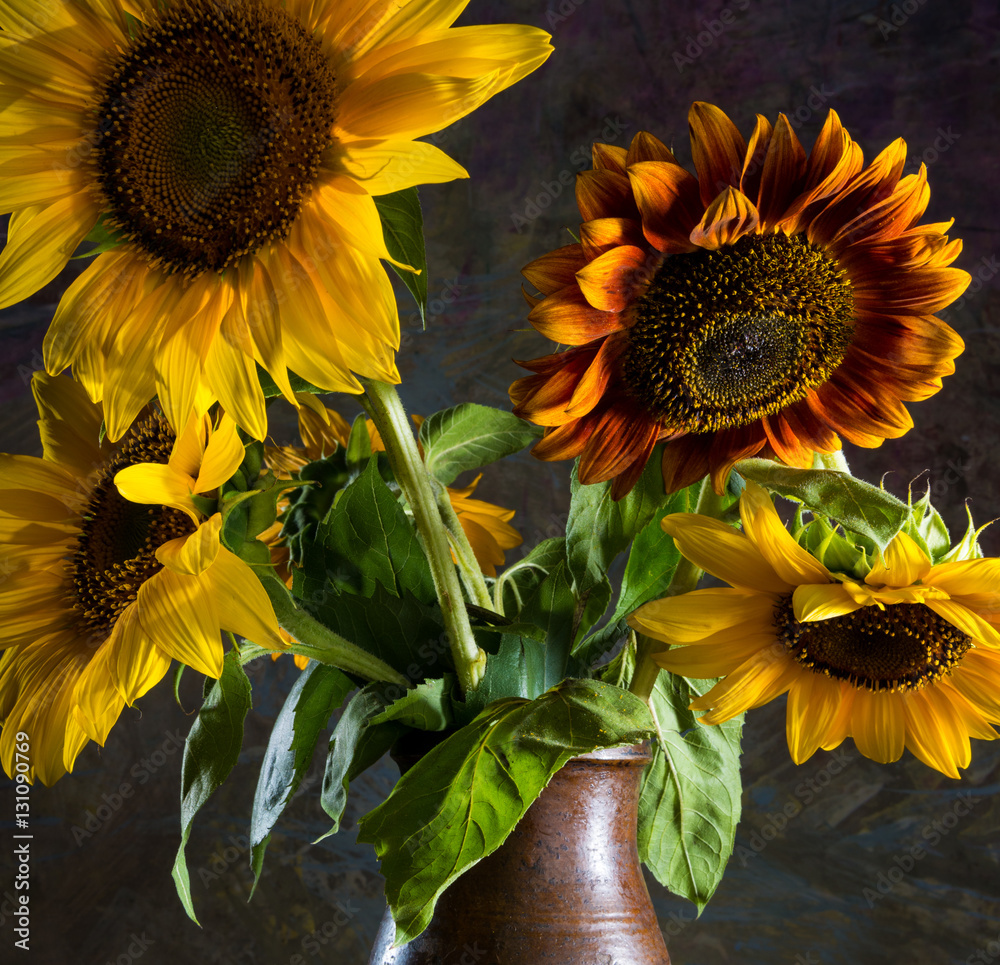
<point x="770" y="305"/>
<point x="910" y="657"/>
<point x="232" y="149"/>
<point x="113" y="570"/>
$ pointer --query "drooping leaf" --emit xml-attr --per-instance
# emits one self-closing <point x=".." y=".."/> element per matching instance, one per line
<point x="858" y="506"/>
<point x="469" y="436"/>
<point x="425" y="707"/>
<point x="318" y="691"/>
<point x="461" y="800"/>
<point x="403" y="229"/>
<point x="346" y="757"/>
<point x="689" y="802"/>
<point x="210" y="753"/>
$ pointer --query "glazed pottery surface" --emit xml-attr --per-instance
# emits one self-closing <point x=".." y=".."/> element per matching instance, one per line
<point x="566" y="887"/>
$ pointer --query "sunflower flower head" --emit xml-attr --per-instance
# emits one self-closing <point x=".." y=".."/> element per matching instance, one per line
<point x="907" y="657"/>
<point x="228" y="152"/>
<point x="116" y="570"/>
<point x="770" y="304"/>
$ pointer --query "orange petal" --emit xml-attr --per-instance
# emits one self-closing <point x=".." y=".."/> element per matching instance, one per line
<point x="667" y="197"/>
<point x="718" y="149"/>
<point x="613" y="280"/>
<point x="730" y="216"/>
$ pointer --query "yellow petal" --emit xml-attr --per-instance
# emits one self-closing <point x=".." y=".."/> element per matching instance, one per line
<point x="152" y="483"/>
<point x="904" y="564"/>
<point x="243" y="606"/>
<point x="178" y="613"/>
<point x="69" y="423"/>
<point x="878" y="725"/>
<point x="136" y="664"/>
<point x="972" y="582"/>
<point x="934" y="733"/>
<point x="195" y="553"/>
<point x="383" y="167"/>
<point x="761" y="523"/>
<point x="98" y="702"/>
<point x="718" y="549"/>
<point x="967" y="621"/>
<point x="222" y="457"/>
<point x="813" y="704"/>
<point x="766" y="675"/>
<point x="690" y="617"/>
<point x="714" y="660"/>
<point x="822" y="602"/>
<point x="42" y="244"/>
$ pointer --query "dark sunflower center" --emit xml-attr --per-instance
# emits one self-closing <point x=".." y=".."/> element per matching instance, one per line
<point x="118" y="539"/>
<point x="903" y="647"/>
<point x="210" y="131"/>
<point x="722" y="338"/>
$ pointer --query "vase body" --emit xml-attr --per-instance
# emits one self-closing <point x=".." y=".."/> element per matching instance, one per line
<point x="566" y="887"/>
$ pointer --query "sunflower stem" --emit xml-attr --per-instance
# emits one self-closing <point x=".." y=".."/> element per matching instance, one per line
<point x="412" y="476"/>
<point x="684" y="580"/>
<point x="320" y="643"/>
<point x="468" y="565"/>
<point x="835" y="461"/>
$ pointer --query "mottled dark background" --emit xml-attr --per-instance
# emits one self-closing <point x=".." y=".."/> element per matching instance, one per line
<point x="803" y="889"/>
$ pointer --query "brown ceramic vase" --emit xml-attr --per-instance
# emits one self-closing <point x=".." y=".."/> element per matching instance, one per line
<point x="566" y="887"/>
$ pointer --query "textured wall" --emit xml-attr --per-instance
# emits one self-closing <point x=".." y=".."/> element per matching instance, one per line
<point x="814" y="837"/>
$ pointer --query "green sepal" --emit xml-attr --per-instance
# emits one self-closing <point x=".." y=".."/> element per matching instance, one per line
<point x="359" y="443"/>
<point x="102" y="237"/>
<point x="270" y="388"/>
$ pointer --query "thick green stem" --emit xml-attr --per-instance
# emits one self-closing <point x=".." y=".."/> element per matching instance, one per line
<point x="835" y="460"/>
<point x="411" y="474"/>
<point x="320" y="643"/>
<point x="685" y="579"/>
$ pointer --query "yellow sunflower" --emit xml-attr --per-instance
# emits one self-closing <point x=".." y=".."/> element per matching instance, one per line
<point x="112" y="572"/>
<point x="908" y="658"/>
<point x="486" y="525"/>
<point x="234" y="147"/>
<point x="770" y="305"/>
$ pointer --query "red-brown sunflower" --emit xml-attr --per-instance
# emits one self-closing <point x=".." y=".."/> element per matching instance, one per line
<point x="770" y="305"/>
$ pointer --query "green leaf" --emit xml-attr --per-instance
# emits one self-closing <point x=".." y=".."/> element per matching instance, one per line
<point x="318" y="691"/>
<point x="553" y="609"/>
<point x="518" y="581"/>
<point x="517" y="669"/>
<point x="210" y="753"/>
<point x="599" y="528"/>
<point x="463" y="798"/>
<point x="354" y="745"/>
<point x="426" y="707"/>
<point x="403" y="229"/>
<point x="368" y="538"/>
<point x="469" y="436"/>
<point x="858" y="506"/>
<point x="405" y="633"/>
<point x="689" y="803"/>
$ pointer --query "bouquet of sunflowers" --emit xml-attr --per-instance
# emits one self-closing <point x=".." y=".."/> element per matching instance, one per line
<point x="240" y="172"/>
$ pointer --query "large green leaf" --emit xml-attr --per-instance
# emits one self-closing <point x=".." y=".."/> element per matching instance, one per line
<point x="599" y="528"/>
<point x="469" y="436"/>
<point x="428" y="706"/>
<point x="405" y="633"/>
<point x="368" y="539"/>
<point x="316" y="694"/>
<point x="858" y="506"/>
<point x="517" y="582"/>
<point x="461" y="800"/>
<point x="210" y="753"/>
<point x="689" y="802"/>
<point x="403" y="229"/>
